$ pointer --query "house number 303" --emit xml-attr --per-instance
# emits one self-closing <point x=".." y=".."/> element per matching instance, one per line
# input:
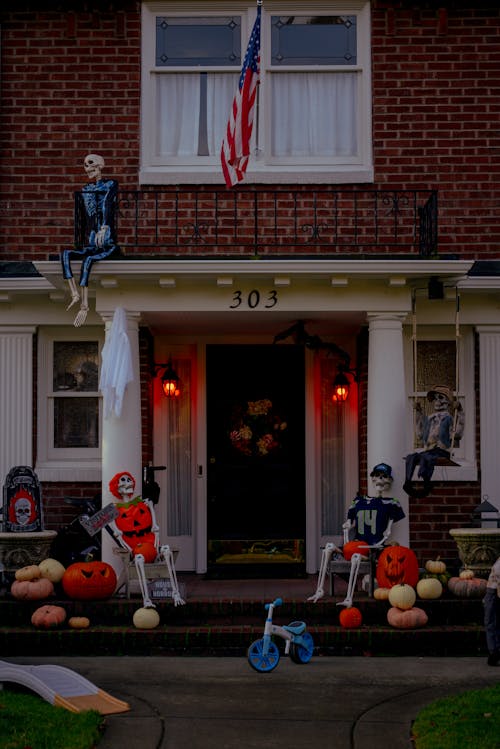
<point x="255" y="298"/>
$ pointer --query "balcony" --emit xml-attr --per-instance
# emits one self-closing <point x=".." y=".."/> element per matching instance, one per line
<point x="280" y="223"/>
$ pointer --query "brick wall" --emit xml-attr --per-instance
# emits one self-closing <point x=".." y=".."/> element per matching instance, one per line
<point x="70" y="86"/>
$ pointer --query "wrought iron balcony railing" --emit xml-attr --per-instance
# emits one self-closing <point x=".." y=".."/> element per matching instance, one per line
<point x="215" y="222"/>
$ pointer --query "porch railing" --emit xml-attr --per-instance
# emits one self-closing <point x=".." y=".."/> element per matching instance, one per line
<point x="214" y="222"/>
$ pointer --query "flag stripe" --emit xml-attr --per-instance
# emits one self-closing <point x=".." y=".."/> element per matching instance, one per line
<point x="235" y="149"/>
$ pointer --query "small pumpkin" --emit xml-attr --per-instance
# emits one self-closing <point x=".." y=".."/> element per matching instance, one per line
<point x="354" y="547"/>
<point x="409" y="619"/>
<point x="397" y="564"/>
<point x="32" y="590"/>
<point x="474" y="587"/>
<point x="381" y="594"/>
<point x="429" y="588"/>
<point x="146" y="618"/>
<point x="402" y="596"/>
<point x="79" y="622"/>
<point x="466" y="574"/>
<point x="350" y="618"/>
<point x="52" y="569"/>
<point x="30" y="572"/>
<point x="86" y="581"/>
<point x="147" y="550"/>
<point x="436" y="566"/>
<point x="48" y="617"/>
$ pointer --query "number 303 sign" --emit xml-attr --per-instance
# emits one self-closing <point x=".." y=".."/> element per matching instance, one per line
<point x="254" y="299"/>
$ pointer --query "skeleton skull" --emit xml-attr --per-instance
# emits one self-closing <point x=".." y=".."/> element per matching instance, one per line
<point x="126" y="486"/>
<point x="22" y="510"/>
<point x="93" y="165"/>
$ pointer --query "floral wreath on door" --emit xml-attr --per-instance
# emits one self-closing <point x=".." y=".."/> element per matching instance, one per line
<point x="256" y="429"/>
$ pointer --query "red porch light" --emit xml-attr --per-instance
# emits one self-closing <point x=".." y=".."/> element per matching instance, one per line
<point x="170" y="381"/>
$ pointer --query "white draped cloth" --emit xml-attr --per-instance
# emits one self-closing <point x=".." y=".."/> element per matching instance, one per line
<point x="116" y="365"/>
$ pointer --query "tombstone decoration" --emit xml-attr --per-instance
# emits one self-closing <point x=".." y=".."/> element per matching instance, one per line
<point x="22" y="505"/>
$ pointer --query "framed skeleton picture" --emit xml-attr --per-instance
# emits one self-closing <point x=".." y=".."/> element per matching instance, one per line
<point x="22" y="505"/>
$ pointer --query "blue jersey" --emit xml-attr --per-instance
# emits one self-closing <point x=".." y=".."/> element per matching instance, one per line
<point x="371" y="516"/>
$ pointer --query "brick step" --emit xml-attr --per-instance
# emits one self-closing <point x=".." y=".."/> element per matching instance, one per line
<point x="119" y="612"/>
<point x="233" y="640"/>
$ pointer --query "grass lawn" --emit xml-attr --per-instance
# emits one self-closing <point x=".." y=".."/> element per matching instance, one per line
<point x="471" y="719"/>
<point x="29" y="722"/>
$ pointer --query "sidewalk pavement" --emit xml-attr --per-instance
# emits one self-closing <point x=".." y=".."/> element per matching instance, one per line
<point x="222" y="703"/>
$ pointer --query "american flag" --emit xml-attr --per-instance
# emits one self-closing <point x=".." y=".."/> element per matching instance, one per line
<point x="236" y="144"/>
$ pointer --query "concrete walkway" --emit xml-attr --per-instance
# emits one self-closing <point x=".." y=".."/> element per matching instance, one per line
<point x="222" y="703"/>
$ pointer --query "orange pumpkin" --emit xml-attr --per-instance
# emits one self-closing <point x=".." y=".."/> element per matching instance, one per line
<point x="350" y="618"/>
<point x="47" y="617"/>
<point x="409" y="619"/>
<point x="354" y="547"/>
<point x="147" y="550"/>
<point x="89" y="581"/>
<point x="397" y="565"/>
<point x="32" y="590"/>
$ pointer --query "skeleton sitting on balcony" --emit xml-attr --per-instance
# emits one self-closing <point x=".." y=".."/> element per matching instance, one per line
<point x="136" y="530"/>
<point x="97" y="217"/>
<point x="371" y="519"/>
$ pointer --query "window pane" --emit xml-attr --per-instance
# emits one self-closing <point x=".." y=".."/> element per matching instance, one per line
<point x="75" y="366"/>
<point x="435" y="364"/>
<point x="313" y="40"/>
<point x="198" y="41"/>
<point x="76" y="422"/>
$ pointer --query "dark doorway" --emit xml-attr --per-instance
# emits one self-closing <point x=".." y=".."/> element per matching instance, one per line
<point x="256" y="465"/>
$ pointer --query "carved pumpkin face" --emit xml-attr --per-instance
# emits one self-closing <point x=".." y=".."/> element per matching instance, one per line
<point x="397" y="565"/>
<point x="135" y="521"/>
<point x="89" y="581"/>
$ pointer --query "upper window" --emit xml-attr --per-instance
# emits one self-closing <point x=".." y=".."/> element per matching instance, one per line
<point x="314" y="98"/>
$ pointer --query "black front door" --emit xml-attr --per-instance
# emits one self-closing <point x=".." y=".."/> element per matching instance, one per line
<point x="255" y="433"/>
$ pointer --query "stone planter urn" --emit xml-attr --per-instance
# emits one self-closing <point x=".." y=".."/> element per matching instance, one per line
<point x="20" y="549"/>
<point x="478" y="548"/>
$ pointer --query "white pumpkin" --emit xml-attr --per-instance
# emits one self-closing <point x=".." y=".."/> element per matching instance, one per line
<point x="52" y="570"/>
<point x="466" y="574"/>
<point x="381" y="594"/>
<point x="146" y="618"/>
<point x="436" y="566"/>
<point x="402" y="596"/>
<point x="30" y="572"/>
<point x="429" y="588"/>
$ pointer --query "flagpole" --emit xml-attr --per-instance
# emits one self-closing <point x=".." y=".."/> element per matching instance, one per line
<point x="257" y="109"/>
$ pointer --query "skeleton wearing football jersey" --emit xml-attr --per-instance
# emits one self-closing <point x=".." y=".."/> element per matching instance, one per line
<point x="370" y="518"/>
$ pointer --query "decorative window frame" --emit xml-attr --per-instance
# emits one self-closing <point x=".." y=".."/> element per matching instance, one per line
<point x="465" y="455"/>
<point x="62" y="464"/>
<point x="359" y="169"/>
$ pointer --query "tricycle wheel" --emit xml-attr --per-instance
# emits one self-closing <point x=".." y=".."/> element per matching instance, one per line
<point x="302" y="652"/>
<point x="260" y="661"/>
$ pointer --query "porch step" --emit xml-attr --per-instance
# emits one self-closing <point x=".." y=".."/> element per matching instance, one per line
<point x="227" y="627"/>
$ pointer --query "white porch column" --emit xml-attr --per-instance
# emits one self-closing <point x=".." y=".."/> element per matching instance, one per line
<point x="16" y="398"/>
<point x="387" y="406"/>
<point x="121" y="436"/>
<point x="489" y="405"/>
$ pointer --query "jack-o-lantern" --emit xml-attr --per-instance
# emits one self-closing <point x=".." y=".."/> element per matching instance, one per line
<point x="397" y="565"/>
<point x="89" y="581"/>
<point x="135" y="522"/>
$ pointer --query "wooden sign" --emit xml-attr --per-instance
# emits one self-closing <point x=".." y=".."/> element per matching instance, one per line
<point x="96" y="522"/>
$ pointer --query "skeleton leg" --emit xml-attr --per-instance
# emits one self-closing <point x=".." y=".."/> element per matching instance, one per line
<point x="75" y="296"/>
<point x="84" y="308"/>
<point x="165" y="553"/>
<point x="141" y="574"/>
<point x="353" y="575"/>
<point x="326" y="555"/>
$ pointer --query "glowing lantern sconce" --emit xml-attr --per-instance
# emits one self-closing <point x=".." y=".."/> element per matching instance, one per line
<point x="170" y="380"/>
<point x="341" y="384"/>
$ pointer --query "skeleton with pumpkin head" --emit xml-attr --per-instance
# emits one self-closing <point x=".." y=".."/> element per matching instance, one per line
<point x="135" y="529"/>
<point x="369" y="522"/>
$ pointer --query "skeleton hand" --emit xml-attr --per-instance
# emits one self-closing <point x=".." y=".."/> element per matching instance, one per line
<point x="81" y="316"/>
<point x="101" y="235"/>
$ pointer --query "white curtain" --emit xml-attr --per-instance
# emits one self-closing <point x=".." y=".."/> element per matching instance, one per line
<point x="314" y="114"/>
<point x="332" y="455"/>
<point x="179" y="114"/>
<point x="179" y="467"/>
<point x="182" y="122"/>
